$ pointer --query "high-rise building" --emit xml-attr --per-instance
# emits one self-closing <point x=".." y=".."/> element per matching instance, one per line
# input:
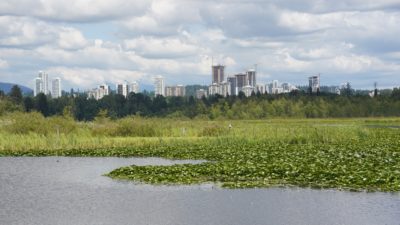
<point x="213" y="89"/>
<point x="159" y="86"/>
<point x="260" y="88"/>
<point x="248" y="90"/>
<point x="276" y="88"/>
<point x="38" y="86"/>
<point x="178" y="90"/>
<point x="286" y="87"/>
<point x="240" y="82"/>
<point x="56" y="88"/>
<point x="45" y="82"/>
<point x="41" y="84"/>
<point x="218" y="75"/>
<point x="133" y="87"/>
<point x="224" y="89"/>
<point x="102" y="91"/>
<point x="200" y="93"/>
<point x="232" y="81"/>
<point x="268" y="88"/>
<point x="169" y="91"/>
<point x="275" y="84"/>
<point x="314" y="83"/>
<point x="251" y="78"/>
<point x="122" y="89"/>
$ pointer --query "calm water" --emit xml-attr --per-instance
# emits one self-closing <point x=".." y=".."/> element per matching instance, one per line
<point x="56" y="190"/>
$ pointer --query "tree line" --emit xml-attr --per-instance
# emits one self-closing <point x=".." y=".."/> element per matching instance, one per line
<point x="299" y="104"/>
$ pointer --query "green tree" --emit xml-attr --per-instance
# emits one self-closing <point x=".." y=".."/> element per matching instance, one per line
<point x="42" y="104"/>
<point x="241" y="95"/>
<point x="16" y="94"/>
<point x="159" y="105"/>
<point x="29" y="104"/>
<point x="396" y="93"/>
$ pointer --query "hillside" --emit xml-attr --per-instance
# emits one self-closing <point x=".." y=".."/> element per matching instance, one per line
<point x="6" y="87"/>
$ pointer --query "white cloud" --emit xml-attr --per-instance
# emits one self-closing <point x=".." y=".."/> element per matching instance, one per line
<point x="22" y="32"/>
<point x="73" y="10"/>
<point x="161" y="47"/>
<point x="177" y="39"/>
<point x="353" y="63"/>
<point x="3" y="64"/>
<point x="17" y="31"/>
<point x="70" y="38"/>
<point x="90" y="77"/>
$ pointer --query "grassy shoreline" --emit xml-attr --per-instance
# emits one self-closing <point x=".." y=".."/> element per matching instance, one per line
<point x="319" y="153"/>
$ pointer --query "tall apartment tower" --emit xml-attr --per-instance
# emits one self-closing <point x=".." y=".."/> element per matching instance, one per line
<point x="56" y="88"/>
<point x="218" y="75"/>
<point x="251" y="78"/>
<point x="102" y="91"/>
<point x="45" y="82"/>
<point x="314" y="83"/>
<point x="38" y="86"/>
<point x="241" y="81"/>
<point x="122" y="89"/>
<point x="159" y="87"/>
<point x="178" y="90"/>
<point x="232" y="81"/>
<point x="133" y="87"/>
<point x="200" y="93"/>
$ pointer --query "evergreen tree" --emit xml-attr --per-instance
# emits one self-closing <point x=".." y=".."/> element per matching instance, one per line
<point x="16" y="94"/>
<point x="29" y="104"/>
<point x="241" y="95"/>
<point x="396" y="93"/>
<point x="42" y="104"/>
<point x="159" y="105"/>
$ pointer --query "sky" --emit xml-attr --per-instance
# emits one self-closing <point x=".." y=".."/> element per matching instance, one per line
<point x="90" y="42"/>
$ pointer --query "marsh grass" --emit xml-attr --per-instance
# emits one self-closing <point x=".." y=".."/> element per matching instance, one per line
<point x="321" y="153"/>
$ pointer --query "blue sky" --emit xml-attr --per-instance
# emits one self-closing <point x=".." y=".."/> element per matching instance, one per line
<point x="89" y="42"/>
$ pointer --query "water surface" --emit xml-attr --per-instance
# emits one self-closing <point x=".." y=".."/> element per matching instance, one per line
<point x="58" y="190"/>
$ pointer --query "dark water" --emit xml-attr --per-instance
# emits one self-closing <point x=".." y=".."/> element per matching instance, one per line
<point x="72" y="191"/>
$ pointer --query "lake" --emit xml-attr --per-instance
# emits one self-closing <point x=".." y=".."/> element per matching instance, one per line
<point x="61" y="190"/>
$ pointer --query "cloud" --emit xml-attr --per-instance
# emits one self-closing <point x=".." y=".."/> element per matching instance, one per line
<point x="70" y="38"/>
<point x="162" y="18"/>
<point x="353" y="40"/>
<point x="3" y="64"/>
<point x="151" y="47"/>
<point x="90" y="78"/>
<point x="24" y="32"/>
<point x="73" y="10"/>
<point x="19" y="31"/>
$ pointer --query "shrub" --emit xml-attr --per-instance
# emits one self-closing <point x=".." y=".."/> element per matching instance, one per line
<point x="128" y="127"/>
<point x="213" y="130"/>
<point x="24" y="123"/>
<point x="61" y="124"/>
<point x="6" y="106"/>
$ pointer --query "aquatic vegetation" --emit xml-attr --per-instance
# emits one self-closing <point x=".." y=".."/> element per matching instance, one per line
<point x="351" y="154"/>
<point x="359" y="165"/>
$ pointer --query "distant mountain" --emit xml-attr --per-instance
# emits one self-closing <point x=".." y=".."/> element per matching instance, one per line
<point x="6" y="87"/>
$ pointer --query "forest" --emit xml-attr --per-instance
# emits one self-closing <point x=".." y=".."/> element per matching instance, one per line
<point x="297" y="104"/>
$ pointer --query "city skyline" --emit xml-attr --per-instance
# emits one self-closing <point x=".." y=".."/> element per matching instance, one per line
<point x="89" y="44"/>
<point x="42" y="85"/>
